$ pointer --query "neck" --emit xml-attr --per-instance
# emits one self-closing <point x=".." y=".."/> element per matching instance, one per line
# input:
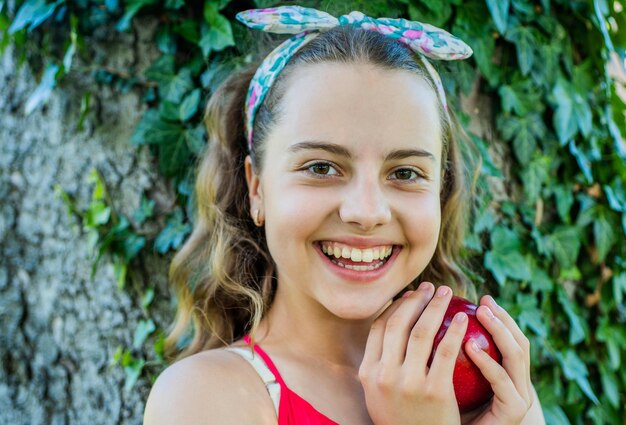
<point x="305" y="329"/>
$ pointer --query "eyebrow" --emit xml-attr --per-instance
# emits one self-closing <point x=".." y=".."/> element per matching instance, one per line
<point x="341" y="151"/>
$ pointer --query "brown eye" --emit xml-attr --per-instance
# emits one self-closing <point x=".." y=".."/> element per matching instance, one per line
<point x="405" y="174"/>
<point x="322" y="169"/>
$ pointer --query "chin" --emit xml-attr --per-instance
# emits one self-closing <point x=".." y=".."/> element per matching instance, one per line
<point x="356" y="311"/>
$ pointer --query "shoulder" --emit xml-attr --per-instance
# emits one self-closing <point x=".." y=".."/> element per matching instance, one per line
<point x="214" y="386"/>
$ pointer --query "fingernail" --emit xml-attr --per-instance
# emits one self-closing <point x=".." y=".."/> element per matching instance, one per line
<point x="475" y="346"/>
<point x="460" y="317"/>
<point x="493" y="303"/>
<point x="407" y="293"/>
<point x="489" y="312"/>
<point x="443" y="291"/>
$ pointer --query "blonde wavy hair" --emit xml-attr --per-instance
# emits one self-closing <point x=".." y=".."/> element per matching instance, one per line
<point x="223" y="276"/>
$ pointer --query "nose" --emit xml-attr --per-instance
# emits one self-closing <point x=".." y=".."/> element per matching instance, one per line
<point x="365" y="204"/>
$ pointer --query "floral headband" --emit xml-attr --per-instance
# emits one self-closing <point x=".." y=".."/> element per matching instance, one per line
<point x="306" y="23"/>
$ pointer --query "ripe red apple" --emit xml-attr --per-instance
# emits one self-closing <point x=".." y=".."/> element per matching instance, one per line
<point x="470" y="386"/>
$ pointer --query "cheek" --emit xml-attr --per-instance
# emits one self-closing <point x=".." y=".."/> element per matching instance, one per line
<point x="424" y="222"/>
<point x="293" y="217"/>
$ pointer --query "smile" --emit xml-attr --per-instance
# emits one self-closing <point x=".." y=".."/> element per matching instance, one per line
<point x="360" y="260"/>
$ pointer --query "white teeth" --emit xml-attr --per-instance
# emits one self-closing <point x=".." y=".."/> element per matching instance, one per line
<point x="355" y="254"/>
<point x="358" y="268"/>
<point x="368" y="256"/>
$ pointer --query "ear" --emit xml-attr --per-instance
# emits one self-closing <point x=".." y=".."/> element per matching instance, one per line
<point x="255" y="189"/>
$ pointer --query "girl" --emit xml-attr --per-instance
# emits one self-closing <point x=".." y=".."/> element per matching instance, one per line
<point x="331" y="206"/>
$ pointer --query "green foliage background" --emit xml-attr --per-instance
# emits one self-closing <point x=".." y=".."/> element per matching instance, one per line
<point x="553" y="253"/>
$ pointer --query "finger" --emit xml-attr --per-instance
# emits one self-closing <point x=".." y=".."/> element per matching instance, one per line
<point x="505" y="318"/>
<point x="374" y="344"/>
<point x="399" y="324"/>
<point x="517" y="333"/>
<point x="503" y="387"/>
<point x="444" y="360"/>
<point x="423" y="333"/>
<point x="513" y="356"/>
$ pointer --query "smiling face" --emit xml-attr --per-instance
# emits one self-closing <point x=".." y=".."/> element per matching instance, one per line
<point x="351" y="169"/>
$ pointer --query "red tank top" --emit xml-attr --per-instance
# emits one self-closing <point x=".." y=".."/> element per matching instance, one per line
<point x="292" y="409"/>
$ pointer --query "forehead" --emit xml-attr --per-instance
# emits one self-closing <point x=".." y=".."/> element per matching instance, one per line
<point x="361" y="106"/>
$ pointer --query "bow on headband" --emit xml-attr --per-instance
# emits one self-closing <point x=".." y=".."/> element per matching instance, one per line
<point x="306" y="23"/>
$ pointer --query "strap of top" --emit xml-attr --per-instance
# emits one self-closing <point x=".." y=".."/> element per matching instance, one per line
<point x="266" y="359"/>
<point x="271" y="380"/>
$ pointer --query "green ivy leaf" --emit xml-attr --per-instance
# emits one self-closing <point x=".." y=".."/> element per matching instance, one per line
<point x="196" y="140"/>
<point x="614" y="336"/>
<point x="219" y="33"/>
<point x="524" y="131"/>
<point x="535" y="176"/>
<point x="162" y="70"/>
<point x="499" y="10"/>
<point x="540" y="280"/>
<point x="97" y="214"/>
<point x="582" y="114"/>
<point x="487" y="165"/>
<point x="505" y="259"/>
<point x="554" y="415"/>
<point x="574" y="369"/>
<point x="564" y="243"/>
<point x="171" y="237"/>
<point x="434" y="12"/>
<point x="601" y="9"/>
<point x="189" y="105"/>
<point x="521" y="98"/>
<point x="166" y="40"/>
<point x="564" y="120"/>
<point x="470" y="27"/>
<point x="132" y="8"/>
<point x="143" y="330"/>
<point x="188" y="29"/>
<point x="144" y="211"/>
<point x="583" y="162"/>
<point x="132" y="244"/>
<point x="619" y="287"/>
<point x="44" y="89"/>
<point x="147" y="298"/>
<point x="610" y="386"/>
<point x="169" y="111"/>
<point x="133" y="371"/>
<point x="616" y="195"/>
<point x="564" y="200"/>
<point x="175" y="88"/>
<point x="174" y="155"/>
<point x="525" y="42"/>
<point x="153" y="130"/>
<point x="535" y="320"/>
<point x="119" y="271"/>
<point x="33" y="13"/>
<point x="174" y="4"/>
<point x="577" y="330"/>
<point x="604" y="234"/>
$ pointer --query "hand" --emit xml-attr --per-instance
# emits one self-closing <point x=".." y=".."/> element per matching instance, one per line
<point x="513" y="390"/>
<point x="399" y="387"/>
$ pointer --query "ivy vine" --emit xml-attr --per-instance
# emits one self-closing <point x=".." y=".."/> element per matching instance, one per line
<point x="552" y="251"/>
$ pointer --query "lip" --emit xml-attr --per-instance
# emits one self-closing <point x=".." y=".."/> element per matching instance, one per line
<point x="360" y="243"/>
<point x="359" y="276"/>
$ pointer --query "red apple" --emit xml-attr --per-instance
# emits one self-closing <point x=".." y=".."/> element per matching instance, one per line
<point x="470" y="386"/>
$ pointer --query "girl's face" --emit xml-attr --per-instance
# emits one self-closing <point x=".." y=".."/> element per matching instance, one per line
<point x="352" y="169"/>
